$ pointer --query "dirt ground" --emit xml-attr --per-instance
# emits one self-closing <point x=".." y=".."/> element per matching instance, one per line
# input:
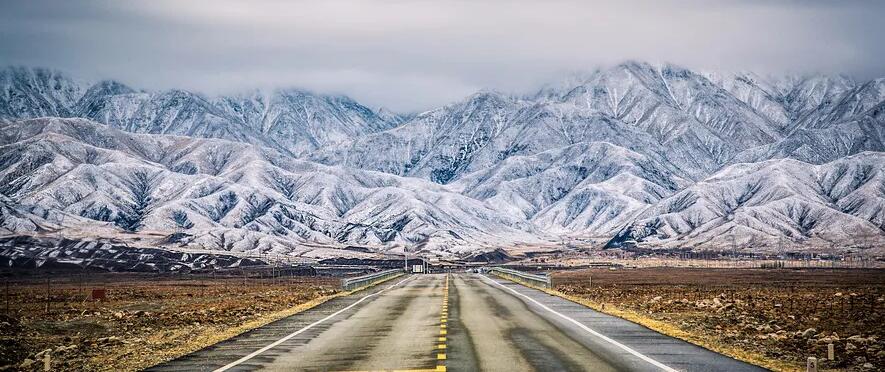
<point x="144" y="319"/>
<point x="777" y="318"/>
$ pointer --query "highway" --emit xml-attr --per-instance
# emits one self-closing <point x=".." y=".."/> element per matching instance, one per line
<point x="454" y="322"/>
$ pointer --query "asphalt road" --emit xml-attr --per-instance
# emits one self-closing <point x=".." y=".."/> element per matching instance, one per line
<point x="455" y="322"/>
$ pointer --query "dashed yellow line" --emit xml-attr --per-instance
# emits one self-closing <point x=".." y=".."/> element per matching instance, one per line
<point x="402" y="370"/>
<point x="441" y="346"/>
<point x="443" y="320"/>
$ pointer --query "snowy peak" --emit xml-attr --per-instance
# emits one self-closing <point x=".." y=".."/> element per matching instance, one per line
<point x="762" y="203"/>
<point x="290" y="120"/>
<point x="861" y="101"/>
<point x="668" y="102"/>
<point x="34" y="92"/>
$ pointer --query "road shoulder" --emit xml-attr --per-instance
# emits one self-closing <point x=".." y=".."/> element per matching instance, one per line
<point x="240" y="345"/>
<point x="668" y="351"/>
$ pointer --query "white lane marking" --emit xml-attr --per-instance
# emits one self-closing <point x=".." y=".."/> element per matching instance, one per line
<point x="582" y="326"/>
<point x="311" y="325"/>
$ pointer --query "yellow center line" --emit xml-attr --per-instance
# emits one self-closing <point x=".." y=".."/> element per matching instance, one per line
<point x="441" y="346"/>
<point x="444" y="314"/>
<point x="437" y="369"/>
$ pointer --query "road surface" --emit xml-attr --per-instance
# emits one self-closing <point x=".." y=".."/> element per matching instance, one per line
<point x="454" y="322"/>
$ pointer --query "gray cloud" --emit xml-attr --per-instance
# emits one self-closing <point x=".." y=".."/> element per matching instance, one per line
<point x="411" y="55"/>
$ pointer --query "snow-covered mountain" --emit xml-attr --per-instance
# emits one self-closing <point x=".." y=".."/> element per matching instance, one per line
<point x="28" y="93"/>
<point x="656" y="154"/>
<point x="758" y="204"/>
<point x="593" y="187"/>
<point x="691" y="123"/>
<point x="292" y="121"/>
<point x="233" y="196"/>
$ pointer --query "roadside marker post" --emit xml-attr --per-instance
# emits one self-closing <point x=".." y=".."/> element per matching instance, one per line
<point x="811" y="366"/>
<point x="47" y="296"/>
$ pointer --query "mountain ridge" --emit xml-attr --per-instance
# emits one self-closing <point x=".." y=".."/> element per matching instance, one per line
<point x="285" y="119"/>
<point x="635" y="152"/>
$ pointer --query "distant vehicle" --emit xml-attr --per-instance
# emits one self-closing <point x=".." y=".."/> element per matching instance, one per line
<point x="417" y="269"/>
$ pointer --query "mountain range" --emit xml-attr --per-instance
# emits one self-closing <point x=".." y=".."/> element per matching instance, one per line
<point x="656" y="156"/>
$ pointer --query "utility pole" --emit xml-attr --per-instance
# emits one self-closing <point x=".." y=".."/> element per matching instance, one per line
<point x="733" y="244"/>
<point x="780" y="248"/>
<point x="47" y="295"/>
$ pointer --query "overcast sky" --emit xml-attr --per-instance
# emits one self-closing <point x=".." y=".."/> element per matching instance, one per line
<point x="410" y="55"/>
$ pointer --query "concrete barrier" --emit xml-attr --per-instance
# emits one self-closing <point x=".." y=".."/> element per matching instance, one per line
<point x="543" y="281"/>
<point x="349" y="284"/>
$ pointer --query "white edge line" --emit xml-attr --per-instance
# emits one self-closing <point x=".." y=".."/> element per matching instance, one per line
<point x="309" y="326"/>
<point x="597" y="334"/>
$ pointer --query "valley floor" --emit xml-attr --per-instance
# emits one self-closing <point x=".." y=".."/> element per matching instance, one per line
<point x="772" y="318"/>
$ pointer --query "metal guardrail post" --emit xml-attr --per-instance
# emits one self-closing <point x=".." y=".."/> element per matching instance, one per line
<point x="544" y="281"/>
<point x="366" y="280"/>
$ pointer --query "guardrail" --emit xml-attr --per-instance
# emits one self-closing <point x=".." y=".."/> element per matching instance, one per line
<point x="366" y="280"/>
<point x="539" y="280"/>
